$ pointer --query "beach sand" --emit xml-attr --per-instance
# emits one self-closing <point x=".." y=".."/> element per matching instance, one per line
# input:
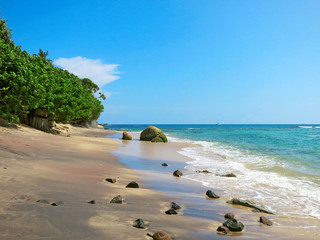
<point x="38" y="166"/>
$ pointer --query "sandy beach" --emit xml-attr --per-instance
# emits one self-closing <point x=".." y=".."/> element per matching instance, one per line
<point x="71" y="171"/>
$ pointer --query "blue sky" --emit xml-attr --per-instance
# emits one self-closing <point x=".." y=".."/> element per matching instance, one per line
<point x="184" y="61"/>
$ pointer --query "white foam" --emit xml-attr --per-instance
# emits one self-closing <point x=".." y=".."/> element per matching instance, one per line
<point x="294" y="196"/>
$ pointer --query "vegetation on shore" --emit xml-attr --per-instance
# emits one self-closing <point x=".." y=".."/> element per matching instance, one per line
<point x="31" y="83"/>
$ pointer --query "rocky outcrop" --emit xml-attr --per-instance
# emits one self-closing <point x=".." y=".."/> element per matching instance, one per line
<point x="60" y="129"/>
<point x="153" y="134"/>
<point x="126" y="136"/>
<point x="248" y="203"/>
<point x="37" y="119"/>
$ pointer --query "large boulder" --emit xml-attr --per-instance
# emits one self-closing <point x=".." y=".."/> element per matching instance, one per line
<point x="153" y="134"/>
<point x="126" y="136"/>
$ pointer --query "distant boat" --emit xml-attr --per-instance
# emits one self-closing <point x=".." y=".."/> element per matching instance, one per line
<point x="218" y="123"/>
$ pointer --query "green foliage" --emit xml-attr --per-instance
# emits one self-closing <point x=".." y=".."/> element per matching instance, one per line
<point x="30" y="82"/>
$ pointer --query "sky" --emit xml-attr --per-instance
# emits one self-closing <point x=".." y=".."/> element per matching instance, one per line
<point x="191" y="61"/>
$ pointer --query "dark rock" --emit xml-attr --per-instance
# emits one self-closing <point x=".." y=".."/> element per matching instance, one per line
<point x="223" y="229"/>
<point x="92" y="202"/>
<point x="164" y="165"/>
<point x="132" y="184"/>
<point x="57" y="203"/>
<point x="175" y="206"/>
<point x="139" y="223"/>
<point x="203" y="171"/>
<point x="126" y="136"/>
<point x="177" y="173"/>
<point x="153" y="134"/>
<point x="229" y="215"/>
<point x="265" y="221"/>
<point x="160" y="236"/>
<point x="43" y="201"/>
<point x="228" y="175"/>
<point x="171" y="211"/>
<point x="248" y="203"/>
<point x="111" y="180"/>
<point x="234" y="225"/>
<point x="211" y="194"/>
<point x="117" y="199"/>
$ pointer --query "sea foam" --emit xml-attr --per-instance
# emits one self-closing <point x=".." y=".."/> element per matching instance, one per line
<point x="260" y="178"/>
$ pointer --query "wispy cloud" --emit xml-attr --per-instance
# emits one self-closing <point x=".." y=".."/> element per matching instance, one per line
<point x="94" y="69"/>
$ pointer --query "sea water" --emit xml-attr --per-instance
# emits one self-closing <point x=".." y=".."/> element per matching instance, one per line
<point x="277" y="166"/>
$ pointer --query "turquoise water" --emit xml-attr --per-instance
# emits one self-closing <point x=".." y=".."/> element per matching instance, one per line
<point x="274" y="164"/>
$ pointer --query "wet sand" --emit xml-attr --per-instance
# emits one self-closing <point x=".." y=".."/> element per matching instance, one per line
<point x="39" y="166"/>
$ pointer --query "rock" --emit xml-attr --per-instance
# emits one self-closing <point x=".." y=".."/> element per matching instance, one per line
<point x="223" y="229"/>
<point x="111" y="180"/>
<point x="228" y="175"/>
<point x="60" y="129"/>
<point x="160" y="236"/>
<point x="164" y="165"/>
<point x="153" y="134"/>
<point x="229" y="215"/>
<point x="126" y="136"/>
<point x="248" y="203"/>
<point x="265" y="221"/>
<point x="171" y="211"/>
<point x="118" y="199"/>
<point x="43" y="201"/>
<point x="211" y="194"/>
<point x="132" y="184"/>
<point x="92" y="202"/>
<point x="203" y="171"/>
<point x="57" y="203"/>
<point x="139" y="223"/>
<point x="234" y="225"/>
<point x="175" y="206"/>
<point x="177" y="173"/>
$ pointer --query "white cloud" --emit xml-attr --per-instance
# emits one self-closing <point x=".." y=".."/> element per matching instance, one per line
<point x="94" y="69"/>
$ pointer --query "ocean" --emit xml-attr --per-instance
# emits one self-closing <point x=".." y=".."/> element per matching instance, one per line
<point x="276" y="165"/>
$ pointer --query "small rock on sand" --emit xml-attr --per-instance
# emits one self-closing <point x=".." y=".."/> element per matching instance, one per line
<point x="57" y="203"/>
<point x="211" y="194"/>
<point x="177" y="173"/>
<point x="171" y="211"/>
<point x="132" y="184"/>
<point x="43" y="201"/>
<point x="175" y="206"/>
<point x="92" y="202"/>
<point x="265" y="221"/>
<point x="223" y="229"/>
<point x="164" y="165"/>
<point x="111" y="180"/>
<point x="229" y="215"/>
<point x="234" y="225"/>
<point x="117" y="199"/>
<point x="139" y="223"/>
<point x="160" y="236"/>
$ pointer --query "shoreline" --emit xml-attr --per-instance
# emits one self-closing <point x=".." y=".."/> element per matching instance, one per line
<point x="38" y="166"/>
<point x="146" y="159"/>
